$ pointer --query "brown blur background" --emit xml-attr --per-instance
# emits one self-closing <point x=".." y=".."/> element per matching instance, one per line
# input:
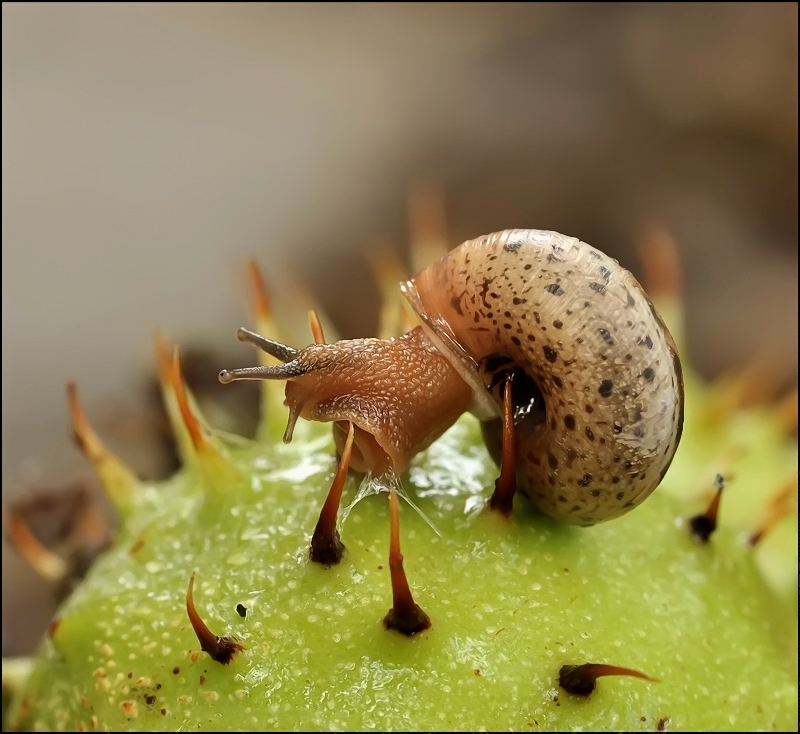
<point x="150" y="149"/>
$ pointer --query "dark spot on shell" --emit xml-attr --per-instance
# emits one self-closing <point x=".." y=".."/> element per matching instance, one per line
<point x="647" y="341"/>
<point x="620" y="495"/>
<point x="605" y="273"/>
<point x="557" y="381"/>
<point x="558" y="323"/>
<point x="589" y="408"/>
<point x="631" y="301"/>
<point x="585" y="480"/>
<point x="617" y="429"/>
<point x="516" y="340"/>
<point x="550" y="354"/>
<point x="569" y="422"/>
<point x="628" y="357"/>
<point x="528" y="266"/>
<point x="555" y="289"/>
<point x="638" y="432"/>
<point x="553" y="461"/>
<point x="163" y="712"/>
<point x="455" y="304"/>
<point x="150" y="699"/>
<point x="606" y="336"/>
<point x="589" y="433"/>
<point x="649" y="374"/>
<point x="537" y="317"/>
<point x="595" y="493"/>
<point x="512" y="246"/>
<point x="597" y="287"/>
<point x="635" y="417"/>
<point x="562" y="498"/>
<point x="605" y="388"/>
<point x="241" y="610"/>
<point x="614" y="480"/>
<point x="517" y="301"/>
<point x="176" y="670"/>
<point x="571" y="456"/>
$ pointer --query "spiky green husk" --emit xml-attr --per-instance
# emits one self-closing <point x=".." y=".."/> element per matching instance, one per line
<point x="511" y="601"/>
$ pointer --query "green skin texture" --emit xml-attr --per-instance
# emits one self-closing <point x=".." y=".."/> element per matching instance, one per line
<point x="511" y="600"/>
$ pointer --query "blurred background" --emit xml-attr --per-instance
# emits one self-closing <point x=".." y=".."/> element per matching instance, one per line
<point x="150" y="149"/>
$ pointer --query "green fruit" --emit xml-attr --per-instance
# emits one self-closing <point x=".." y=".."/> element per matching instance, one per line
<point x="511" y="600"/>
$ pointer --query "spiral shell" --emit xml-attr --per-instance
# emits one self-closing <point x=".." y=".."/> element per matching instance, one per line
<point x="595" y="352"/>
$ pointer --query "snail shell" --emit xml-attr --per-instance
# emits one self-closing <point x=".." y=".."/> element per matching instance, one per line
<point x="600" y="408"/>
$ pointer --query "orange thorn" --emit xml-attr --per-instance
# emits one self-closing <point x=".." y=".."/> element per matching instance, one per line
<point x="505" y="486"/>
<point x="427" y="225"/>
<point x="787" y="411"/>
<point x="326" y="545"/>
<point x="46" y="563"/>
<point x="316" y="327"/>
<point x="259" y="290"/>
<point x="189" y="419"/>
<point x="781" y="505"/>
<point x="118" y="480"/>
<point x="661" y="262"/>
<point x="221" y="649"/>
<point x="405" y="615"/>
<point x="580" y="680"/>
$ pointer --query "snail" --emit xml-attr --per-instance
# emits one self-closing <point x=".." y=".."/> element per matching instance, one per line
<point x="553" y="346"/>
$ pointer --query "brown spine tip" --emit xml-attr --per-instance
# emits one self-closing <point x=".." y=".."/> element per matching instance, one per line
<point x="783" y="504"/>
<point x="221" y="649"/>
<point x="326" y="545"/>
<point x="427" y="224"/>
<point x="704" y="524"/>
<point x="661" y="262"/>
<point x="505" y="486"/>
<point x="118" y="480"/>
<point x="189" y="419"/>
<point x="405" y="615"/>
<point x="45" y="563"/>
<point x="316" y="327"/>
<point x="580" y="680"/>
<point x="259" y="291"/>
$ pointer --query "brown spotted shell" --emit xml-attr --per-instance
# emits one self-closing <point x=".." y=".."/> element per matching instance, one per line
<point x="583" y="331"/>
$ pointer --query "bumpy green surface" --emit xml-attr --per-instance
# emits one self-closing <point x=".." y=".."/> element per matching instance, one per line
<point x="511" y="601"/>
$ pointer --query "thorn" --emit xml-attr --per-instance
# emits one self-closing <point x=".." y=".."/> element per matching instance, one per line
<point x="505" y="486"/>
<point x="703" y="525"/>
<point x="405" y="615"/>
<point x="190" y="421"/>
<point x="316" y="327"/>
<point x="272" y="393"/>
<point x="427" y="225"/>
<point x="259" y="291"/>
<point x="781" y="505"/>
<point x="221" y="649"/>
<point x="787" y="412"/>
<point x="661" y="262"/>
<point x="118" y="480"/>
<point x="580" y="680"/>
<point x="394" y="317"/>
<point x="326" y="545"/>
<point x="45" y="563"/>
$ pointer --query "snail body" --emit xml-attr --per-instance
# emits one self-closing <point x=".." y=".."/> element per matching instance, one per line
<point x="595" y="378"/>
